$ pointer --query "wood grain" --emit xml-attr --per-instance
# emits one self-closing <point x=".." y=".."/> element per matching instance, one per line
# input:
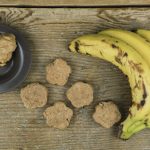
<point x="74" y="3"/>
<point x="48" y="32"/>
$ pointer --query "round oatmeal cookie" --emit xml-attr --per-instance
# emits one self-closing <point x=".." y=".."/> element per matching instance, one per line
<point x="58" y="115"/>
<point x="7" y="47"/>
<point x="80" y="94"/>
<point x="58" y="72"/>
<point x="106" y="114"/>
<point x="34" y="95"/>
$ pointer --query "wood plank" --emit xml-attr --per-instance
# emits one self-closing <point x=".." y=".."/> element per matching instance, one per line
<point x="49" y="32"/>
<point x="73" y="2"/>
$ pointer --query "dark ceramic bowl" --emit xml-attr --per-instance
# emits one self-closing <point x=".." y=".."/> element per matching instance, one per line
<point x="16" y="70"/>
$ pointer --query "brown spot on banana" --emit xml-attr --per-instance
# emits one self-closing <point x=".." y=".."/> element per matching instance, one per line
<point x="114" y="46"/>
<point x="101" y="53"/>
<point x="88" y="54"/>
<point x="76" y="46"/>
<point x="137" y="84"/>
<point x="125" y="55"/>
<point x="120" y="55"/>
<point x="144" y="92"/>
<point x="120" y="52"/>
<point x="146" y="122"/>
<point x="130" y="113"/>
<point x="142" y="103"/>
<point x="138" y="105"/>
<point x="118" y="60"/>
<point x="136" y="67"/>
<point x="103" y="40"/>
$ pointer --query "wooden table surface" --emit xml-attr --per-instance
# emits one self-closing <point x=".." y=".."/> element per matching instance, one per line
<point x="60" y="3"/>
<point x="48" y="31"/>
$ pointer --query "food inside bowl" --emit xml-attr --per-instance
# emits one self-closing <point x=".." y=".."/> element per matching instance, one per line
<point x="7" y="47"/>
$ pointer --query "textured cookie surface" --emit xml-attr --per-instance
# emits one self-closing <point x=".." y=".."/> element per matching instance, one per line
<point x="106" y="114"/>
<point x="58" y="72"/>
<point x="80" y="94"/>
<point x="34" y="95"/>
<point x="58" y="115"/>
<point x="7" y="47"/>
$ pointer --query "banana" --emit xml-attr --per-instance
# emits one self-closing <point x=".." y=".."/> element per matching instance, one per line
<point x="133" y="39"/>
<point x="133" y="65"/>
<point x="144" y="33"/>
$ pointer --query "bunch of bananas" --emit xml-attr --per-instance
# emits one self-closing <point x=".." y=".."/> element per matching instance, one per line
<point x="129" y="51"/>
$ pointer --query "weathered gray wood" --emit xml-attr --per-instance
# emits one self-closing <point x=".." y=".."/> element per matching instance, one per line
<point x="73" y="2"/>
<point x="49" y="32"/>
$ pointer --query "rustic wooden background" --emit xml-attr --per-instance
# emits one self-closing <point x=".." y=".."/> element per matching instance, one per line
<point x="48" y="32"/>
<point x="59" y="3"/>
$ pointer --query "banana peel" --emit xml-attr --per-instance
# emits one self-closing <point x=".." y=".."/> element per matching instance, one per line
<point x="133" y="39"/>
<point x="144" y="33"/>
<point x="133" y="65"/>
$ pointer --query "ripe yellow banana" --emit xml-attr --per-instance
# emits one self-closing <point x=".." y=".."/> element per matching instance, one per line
<point x="133" y="39"/>
<point x="144" y="33"/>
<point x="133" y="65"/>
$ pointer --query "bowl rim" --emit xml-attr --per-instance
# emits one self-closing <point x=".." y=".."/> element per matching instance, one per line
<point x="20" y="76"/>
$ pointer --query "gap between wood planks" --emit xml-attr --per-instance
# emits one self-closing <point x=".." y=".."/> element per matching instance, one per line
<point x="71" y="6"/>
